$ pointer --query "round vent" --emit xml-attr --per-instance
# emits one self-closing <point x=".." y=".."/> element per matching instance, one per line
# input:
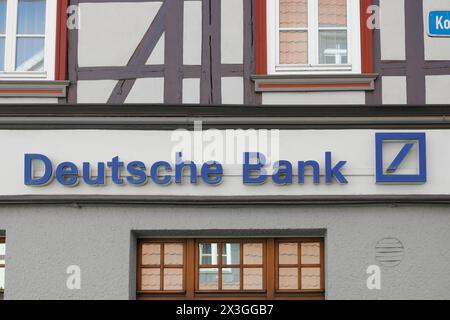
<point x="389" y="252"/>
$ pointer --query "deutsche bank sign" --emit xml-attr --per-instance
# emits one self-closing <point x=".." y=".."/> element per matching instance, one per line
<point x="400" y="158"/>
<point x="439" y="24"/>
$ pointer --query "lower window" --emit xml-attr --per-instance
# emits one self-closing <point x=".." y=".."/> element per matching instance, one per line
<point x="237" y="268"/>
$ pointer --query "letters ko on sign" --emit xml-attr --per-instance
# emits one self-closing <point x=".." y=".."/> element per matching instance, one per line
<point x="439" y="24"/>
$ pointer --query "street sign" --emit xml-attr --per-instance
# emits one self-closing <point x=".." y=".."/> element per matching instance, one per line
<point x="439" y="24"/>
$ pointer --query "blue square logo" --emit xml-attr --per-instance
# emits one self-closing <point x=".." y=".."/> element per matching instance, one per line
<point x="407" y="141"/>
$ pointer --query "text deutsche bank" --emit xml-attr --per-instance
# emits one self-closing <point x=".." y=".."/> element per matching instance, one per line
<point x="439" y="24"/>
<point x="254" y="171"/>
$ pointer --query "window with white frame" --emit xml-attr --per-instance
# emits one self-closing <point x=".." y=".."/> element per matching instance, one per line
<point x="27" y="39"/>
<point x="313" y="36"/>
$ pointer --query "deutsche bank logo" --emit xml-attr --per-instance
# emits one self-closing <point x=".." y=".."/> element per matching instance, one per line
<point x="387" y="167"/>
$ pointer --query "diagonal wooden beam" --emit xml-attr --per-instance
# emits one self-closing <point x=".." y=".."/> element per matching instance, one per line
<point x="141" y="54"/>
<point x="120" y="73"/>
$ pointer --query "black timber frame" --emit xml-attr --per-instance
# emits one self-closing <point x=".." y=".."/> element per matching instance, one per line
<point x="170" y="117"/>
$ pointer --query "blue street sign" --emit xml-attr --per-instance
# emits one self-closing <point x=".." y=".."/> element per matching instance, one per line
<point x="407" y="140"/>
<point x="439" y="24"/>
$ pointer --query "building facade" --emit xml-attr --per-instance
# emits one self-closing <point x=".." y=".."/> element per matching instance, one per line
<point x="204" y="149"/>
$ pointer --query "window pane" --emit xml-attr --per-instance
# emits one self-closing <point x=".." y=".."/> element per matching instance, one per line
<point x="231" y="253"/>
<point x="30" y="54"/>
<point x="150" y="279"/>
<point x="151" y="254"/>
<point x="293" y="47"/>
<point x="208" y="279"/>
<point x="208" y="253"/>
<point x="293" y="13"/>
<point x="333" y="47"/>
<point x="31" y="17"/>
<point x="2" y="53"/>
<point x="332" y="13"/>
<point x="231" y="279"/>
<point x="288" y="279"/>
<point x="173" y="279"/>
<point x="2" y="253"/>
<point x="310" y="278"/>
<point x="173" y="254"/>
<point x="253" y="278"/>
<point x="288" y="253"/>
<point x="310" y="253"/>
<point x="2" y="16"/>
<point x="253" y="253"/>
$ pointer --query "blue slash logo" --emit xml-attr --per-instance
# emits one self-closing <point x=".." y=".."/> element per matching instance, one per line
<point x="409" y="140"/>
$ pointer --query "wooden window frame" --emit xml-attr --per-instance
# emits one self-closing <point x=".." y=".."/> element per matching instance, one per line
<point x="191" y="272"/>
<point x="299" y="265"/>
<point x="261" y="36"/>
<point x="2" y="240"/>
<point x="220" y="266"/>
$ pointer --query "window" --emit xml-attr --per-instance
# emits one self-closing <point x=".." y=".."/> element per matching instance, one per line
<point x="238" y="268"/>
<point x="313" y="36"/>
<point x="27" y="39"/>
<point x="162" y="266"/>
<point x="230" y="266"/>
<point x="2" y="266"/>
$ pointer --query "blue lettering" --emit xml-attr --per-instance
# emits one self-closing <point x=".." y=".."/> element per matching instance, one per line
<point x="99" y="180"/>
<point x="67" y="174"/>
<point x="116" y="166"/>
<point x="138" y="174"/>
<point x="212" y="172"/>
<point x="282" y="172"/>
<point x="180" y="165"/>
<point x="335" y="171"/>
<point x="29" y="178"/>
<point x="315" y="169"/>
<point x="257" y="168"/>
<point x="154" y="172"/>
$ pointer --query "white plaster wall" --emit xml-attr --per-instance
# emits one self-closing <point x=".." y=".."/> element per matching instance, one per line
<point x="94" y="91"/>
<point x="157" y="56"/>
<point x="192" y="33"/>
<point x="392" y="24"/>
<point x="110" y="32"/>
<point x="232" y="90"/>
<point x="149" y="90"/>
<point x="232" y="28"/>
<point x="191" y="91"/>
<point x="394" y="90"/>
<point x="437" y="88"/>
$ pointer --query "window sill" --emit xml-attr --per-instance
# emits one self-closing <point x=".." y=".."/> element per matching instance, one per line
<point x="311" y="83"/>
<point x="33" y="88"/>
<point x="18" y="75"/>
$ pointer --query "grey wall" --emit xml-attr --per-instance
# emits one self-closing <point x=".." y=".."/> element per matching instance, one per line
<point x="43" y="241"/>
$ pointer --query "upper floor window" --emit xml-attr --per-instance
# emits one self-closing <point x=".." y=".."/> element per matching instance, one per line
<point x="27" y="38"/>
<point x="313" y="36"/>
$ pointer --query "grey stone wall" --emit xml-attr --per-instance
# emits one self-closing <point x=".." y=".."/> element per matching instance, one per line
<point x="43" y="241"/>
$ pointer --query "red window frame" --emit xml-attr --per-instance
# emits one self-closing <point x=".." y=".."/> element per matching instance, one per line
<point x="61" y="40"/>
<point x="261" y="38"/>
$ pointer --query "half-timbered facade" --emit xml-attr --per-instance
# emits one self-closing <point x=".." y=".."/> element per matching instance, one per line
<point x="233" y="52"/>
